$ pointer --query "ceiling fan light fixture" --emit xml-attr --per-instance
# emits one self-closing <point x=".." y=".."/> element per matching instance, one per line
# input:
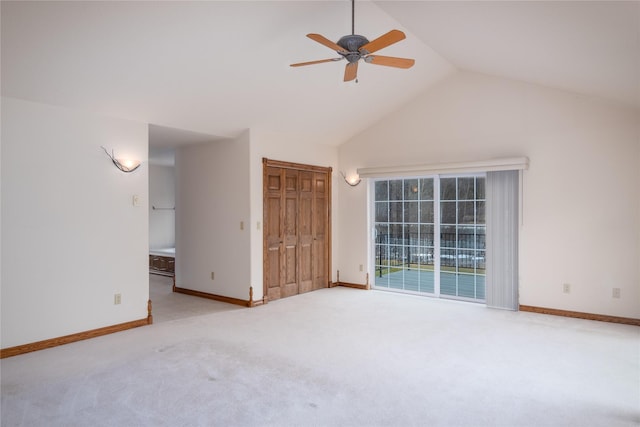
<point x="351" y="44"/>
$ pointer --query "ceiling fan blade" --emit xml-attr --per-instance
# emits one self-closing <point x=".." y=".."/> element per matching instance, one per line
<point x="390" y="61"/>
<point x="325" y="41"/>
<point x="351" y="71"/>
<point x="383" y="41"/>
<point x="299" y="64"/>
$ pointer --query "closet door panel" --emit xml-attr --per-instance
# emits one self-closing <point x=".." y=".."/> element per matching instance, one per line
<point x="273" y="231"/>
<point x="320" y="223"/>
<point x="305" y="217"/>
<point x="290" y="238"/>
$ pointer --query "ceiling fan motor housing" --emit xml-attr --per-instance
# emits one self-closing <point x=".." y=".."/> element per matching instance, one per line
<point x="351" y="44"/>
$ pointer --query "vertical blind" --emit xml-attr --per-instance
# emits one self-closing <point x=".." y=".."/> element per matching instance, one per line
<point x="502" y="239"/>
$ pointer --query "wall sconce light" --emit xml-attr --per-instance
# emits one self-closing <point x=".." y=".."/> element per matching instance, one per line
<point x="125" y="165"/>
<point x="353" y="180"/>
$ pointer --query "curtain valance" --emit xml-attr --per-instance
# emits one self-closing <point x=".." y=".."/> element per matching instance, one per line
<point x="506" y="164"/>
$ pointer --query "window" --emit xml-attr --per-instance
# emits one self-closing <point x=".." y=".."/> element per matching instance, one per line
<point x="430" y="235"/>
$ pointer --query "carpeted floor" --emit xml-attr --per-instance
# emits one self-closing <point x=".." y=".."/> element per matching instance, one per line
<point x="337" y="357"/>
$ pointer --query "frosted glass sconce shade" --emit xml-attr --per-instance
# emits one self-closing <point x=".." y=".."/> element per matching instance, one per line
<point x="125" y="165"/>
<point x="352" y="180"/>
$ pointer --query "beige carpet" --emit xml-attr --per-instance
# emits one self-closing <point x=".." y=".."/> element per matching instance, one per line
<point x="337" y="357"/>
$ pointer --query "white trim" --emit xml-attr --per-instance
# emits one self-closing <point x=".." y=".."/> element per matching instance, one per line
<point x="513" y="163"/>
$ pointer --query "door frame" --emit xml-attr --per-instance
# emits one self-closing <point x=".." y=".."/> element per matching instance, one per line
<point x="266" y="163"/>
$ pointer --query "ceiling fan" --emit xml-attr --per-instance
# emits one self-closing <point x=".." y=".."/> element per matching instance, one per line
<point x="355" y="47"/>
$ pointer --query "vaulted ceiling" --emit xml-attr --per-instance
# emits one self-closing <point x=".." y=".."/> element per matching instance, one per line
<point x="217" y="68"/>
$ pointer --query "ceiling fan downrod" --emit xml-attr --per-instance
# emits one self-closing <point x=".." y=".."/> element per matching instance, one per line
<point x="353" y="17"/>
<point x="352" y="43"/>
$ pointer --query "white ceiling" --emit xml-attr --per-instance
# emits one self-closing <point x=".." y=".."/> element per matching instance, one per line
<point x="218" y="68"/>
<point x="588" y="47"/>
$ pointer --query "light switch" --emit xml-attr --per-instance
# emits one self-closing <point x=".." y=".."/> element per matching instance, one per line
<point x="135" y="200"/>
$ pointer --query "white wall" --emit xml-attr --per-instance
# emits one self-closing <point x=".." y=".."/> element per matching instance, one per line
<point x="212" y="199"/>
<point x="286" y="148"/>
<point x="581" y="200"/>
<point x="71" y="237"/>
<point x="162" y="193"/>
<point x="204" y="174"/>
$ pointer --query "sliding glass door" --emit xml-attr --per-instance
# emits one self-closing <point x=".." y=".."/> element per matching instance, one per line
<point x="429" y="235"/>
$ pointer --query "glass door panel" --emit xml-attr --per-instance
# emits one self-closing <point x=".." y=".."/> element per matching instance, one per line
<point x="462" y="237"/>
<point x="404" y="235"/>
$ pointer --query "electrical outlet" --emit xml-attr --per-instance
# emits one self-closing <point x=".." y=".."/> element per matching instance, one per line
<point x="616" y="293"/>
<point x="566" y="288"/>
<point x="241" y="225"/>
<point x="213" y="276"/>
<point x="117" y="299"/>
<point x="361" y="267"/>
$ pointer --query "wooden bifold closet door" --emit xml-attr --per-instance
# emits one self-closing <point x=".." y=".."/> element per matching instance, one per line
<point x="297" y="228"/>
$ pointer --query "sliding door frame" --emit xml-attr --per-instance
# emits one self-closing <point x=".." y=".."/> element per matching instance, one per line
<point x="436" y="235"/>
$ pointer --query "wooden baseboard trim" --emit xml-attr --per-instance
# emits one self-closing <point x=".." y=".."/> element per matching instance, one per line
<point x="221" y="298"/>
<point x="581" y="315"/>
<point x="237" y="301"/>
<point x="350" y="285"/>
<point x="67" y="339"/>
<point x="253" y="303"/>
<point x="353" y="285"/>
